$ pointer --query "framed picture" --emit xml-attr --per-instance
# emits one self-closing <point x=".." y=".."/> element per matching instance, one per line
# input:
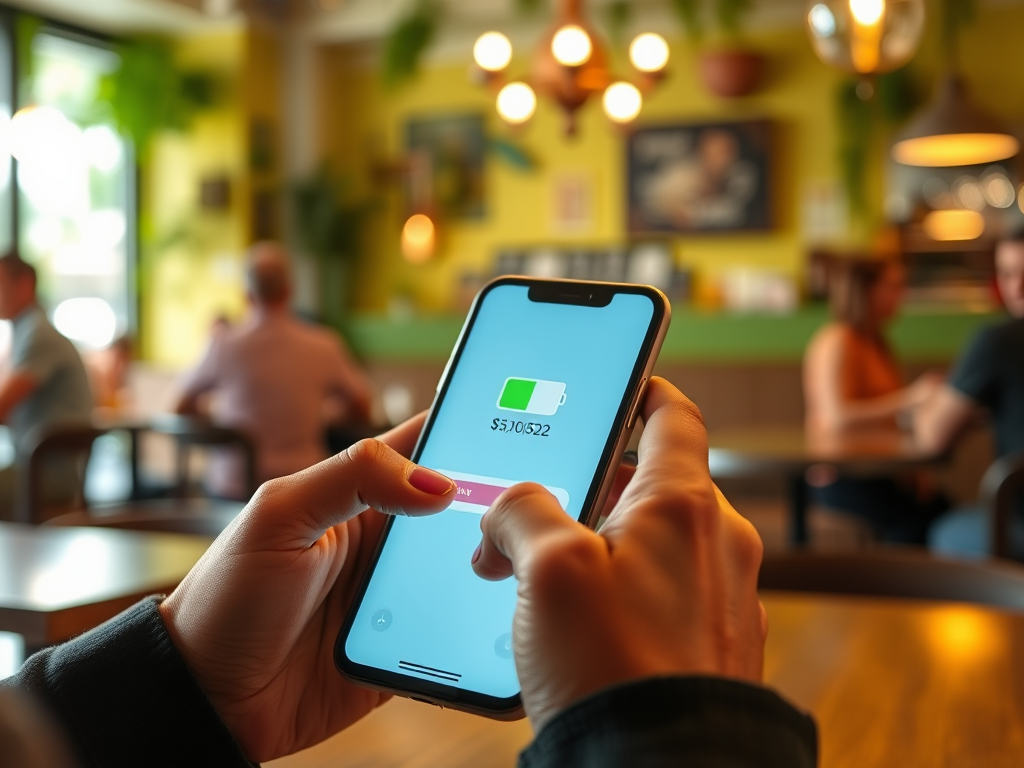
<point x="700" y="178"/>
<point x="446" y="165"/>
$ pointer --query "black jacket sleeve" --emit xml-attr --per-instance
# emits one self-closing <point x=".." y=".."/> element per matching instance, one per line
<point x="125" y="697"/>
<point x="677" y="721"/>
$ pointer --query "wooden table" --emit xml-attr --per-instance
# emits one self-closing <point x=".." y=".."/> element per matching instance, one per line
<point x="892" y="683"/>
<point x="790" y="452"/>
<point x="58" y="582"/>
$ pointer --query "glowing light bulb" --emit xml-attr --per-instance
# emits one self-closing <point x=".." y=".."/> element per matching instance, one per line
<point x="418" y="238"/>
<point x="954" y="225"/>
<point x="622" y="102"/>
<point x="867" y="12"/>
<point x="649" y="52"/>
<point x="517" y="103"/>
<point x="492" y="51"/>
<point x="571" y="46"/>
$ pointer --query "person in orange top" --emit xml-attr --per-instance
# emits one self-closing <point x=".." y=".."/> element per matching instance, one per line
<point x="852" y="382"/>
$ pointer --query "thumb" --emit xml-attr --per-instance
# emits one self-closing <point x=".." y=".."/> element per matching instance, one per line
<point x="300" y="508"/>
<point x="517" y="526"/>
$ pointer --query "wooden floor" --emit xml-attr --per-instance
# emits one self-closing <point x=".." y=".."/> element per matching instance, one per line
<point x="892" y="684"/>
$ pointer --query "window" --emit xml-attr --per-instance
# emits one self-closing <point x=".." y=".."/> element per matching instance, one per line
<point x="74" y="178"/>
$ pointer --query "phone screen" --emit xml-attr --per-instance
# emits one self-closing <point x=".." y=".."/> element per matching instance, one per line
<point x="533" y="397"/>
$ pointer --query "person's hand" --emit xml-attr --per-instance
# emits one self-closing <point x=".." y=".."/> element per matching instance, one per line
<point x="257" y="618"/>
<point x="923" y="389"/>
<point x="668" y="587"/>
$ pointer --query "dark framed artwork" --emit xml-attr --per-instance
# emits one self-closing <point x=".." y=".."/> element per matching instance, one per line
<point x="445" y="157"/>
<point x="700" y="178"/>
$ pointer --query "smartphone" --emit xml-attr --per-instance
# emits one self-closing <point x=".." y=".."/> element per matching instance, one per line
<point x="544" y="385"/>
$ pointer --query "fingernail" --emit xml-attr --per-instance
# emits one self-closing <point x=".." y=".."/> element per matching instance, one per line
<point x="428" y="481"/>
<point x="476" y="554"/>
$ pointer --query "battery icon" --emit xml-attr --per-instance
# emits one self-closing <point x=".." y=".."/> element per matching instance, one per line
<point x="532" y="396"/>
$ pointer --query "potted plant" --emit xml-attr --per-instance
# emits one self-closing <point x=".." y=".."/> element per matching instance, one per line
<point x="728" y="67"/>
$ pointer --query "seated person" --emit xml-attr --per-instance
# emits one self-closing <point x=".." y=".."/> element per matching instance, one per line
<point x="271" y="377"/>
<point x="47" y="385"/>
<point x="852" y="382"/>
<point x="656" y="661"/>
<point x="988" y="376"/>
<point x="108" y="374"/>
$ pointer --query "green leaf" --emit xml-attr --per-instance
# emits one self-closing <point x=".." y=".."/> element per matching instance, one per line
<point x="688" y="12"/>
<point x="328" y="224"/>
<point x="407" y="42"/>
<point x="528" y="7"/>
<point x="898" y="96"/>
<point x="855" y="124"/>
<point x="618" y="15"/>
<point x="148" y="93"/>
<point x="729" y="15"/>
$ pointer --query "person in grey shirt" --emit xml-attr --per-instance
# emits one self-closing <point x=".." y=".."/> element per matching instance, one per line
<point x="46" y="383"/>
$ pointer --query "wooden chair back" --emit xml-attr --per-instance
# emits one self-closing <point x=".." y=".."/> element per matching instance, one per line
<point x="1002" y="492"/>
<point x="72" y="444"/>
<point x="190" y="433"/>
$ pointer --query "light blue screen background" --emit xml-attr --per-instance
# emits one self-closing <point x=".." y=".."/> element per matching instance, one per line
<point x="444" y="615"/>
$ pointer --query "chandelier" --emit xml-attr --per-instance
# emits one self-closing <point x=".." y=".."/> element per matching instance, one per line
<point x="570" y="65"/>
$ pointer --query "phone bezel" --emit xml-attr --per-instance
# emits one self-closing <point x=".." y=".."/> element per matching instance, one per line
<point x="576" y="292"/>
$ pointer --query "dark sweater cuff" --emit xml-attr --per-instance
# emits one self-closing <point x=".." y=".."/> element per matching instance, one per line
<point x="673" y="721"/>
<point x="125" y="697"/>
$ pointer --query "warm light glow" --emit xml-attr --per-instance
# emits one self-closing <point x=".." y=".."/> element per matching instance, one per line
<point x="1020" y="198"/>
<point x="622" y="102"/>
<point x="999" y="192"/>
<point x="492" y="51"/>
<point x="967" y="192"/>
<point x="866" y="35"/>
<point x="88" y="320"/>
<point x="571" y="46"/>
<point x="517" y="102"/>
<point x="649" y="52"/>
<point x="418" y="238"/>
<point x="867" y="12"/>
<point x="956" y="149"/>
<point x="962" y="636"/>
<point x="954" y="225"/>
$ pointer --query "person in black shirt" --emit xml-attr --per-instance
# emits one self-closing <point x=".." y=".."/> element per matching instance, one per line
<point x="989" y="375"/>
<point x="639" y="645"/>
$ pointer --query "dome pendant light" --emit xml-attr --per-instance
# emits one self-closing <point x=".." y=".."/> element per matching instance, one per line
<point x="953" y="131"/>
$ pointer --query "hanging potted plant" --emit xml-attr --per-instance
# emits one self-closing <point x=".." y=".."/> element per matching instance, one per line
<point x="728" y="67"/>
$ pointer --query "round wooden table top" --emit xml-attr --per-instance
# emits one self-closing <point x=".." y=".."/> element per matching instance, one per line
<point x="891" y="683"/>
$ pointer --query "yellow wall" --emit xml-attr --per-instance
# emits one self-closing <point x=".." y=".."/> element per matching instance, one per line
<point x="362" y="123"/>
<point x="188" y="282"/>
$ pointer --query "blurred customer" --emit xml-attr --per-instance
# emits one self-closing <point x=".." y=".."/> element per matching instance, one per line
<point x="988" y="376"/>
<point x="108" y="373"/>
<point x="852" y="382"/>
<point x="271" y="377"/>
<point x="47" y="383"/>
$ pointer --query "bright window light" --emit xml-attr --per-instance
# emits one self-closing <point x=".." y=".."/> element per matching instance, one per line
<point x="87" y="320"/>
<point x="102" y="147"/>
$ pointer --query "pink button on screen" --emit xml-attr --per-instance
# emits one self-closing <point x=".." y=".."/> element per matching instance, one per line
<point x="476" y="493"/>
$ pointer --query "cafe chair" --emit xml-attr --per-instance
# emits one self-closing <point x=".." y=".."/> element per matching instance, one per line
<point x="52" y="451"/>
<point x="1002" y="491"/>
<point x="183" y="512"/>
<point x="896" y="572"/>
<point x="190" y="433"/>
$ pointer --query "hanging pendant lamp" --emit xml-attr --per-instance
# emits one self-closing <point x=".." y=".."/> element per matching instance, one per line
<point x="953" y="131"/>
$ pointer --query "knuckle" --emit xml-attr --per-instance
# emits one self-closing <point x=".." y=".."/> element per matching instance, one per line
<point x="366" y="453"/>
